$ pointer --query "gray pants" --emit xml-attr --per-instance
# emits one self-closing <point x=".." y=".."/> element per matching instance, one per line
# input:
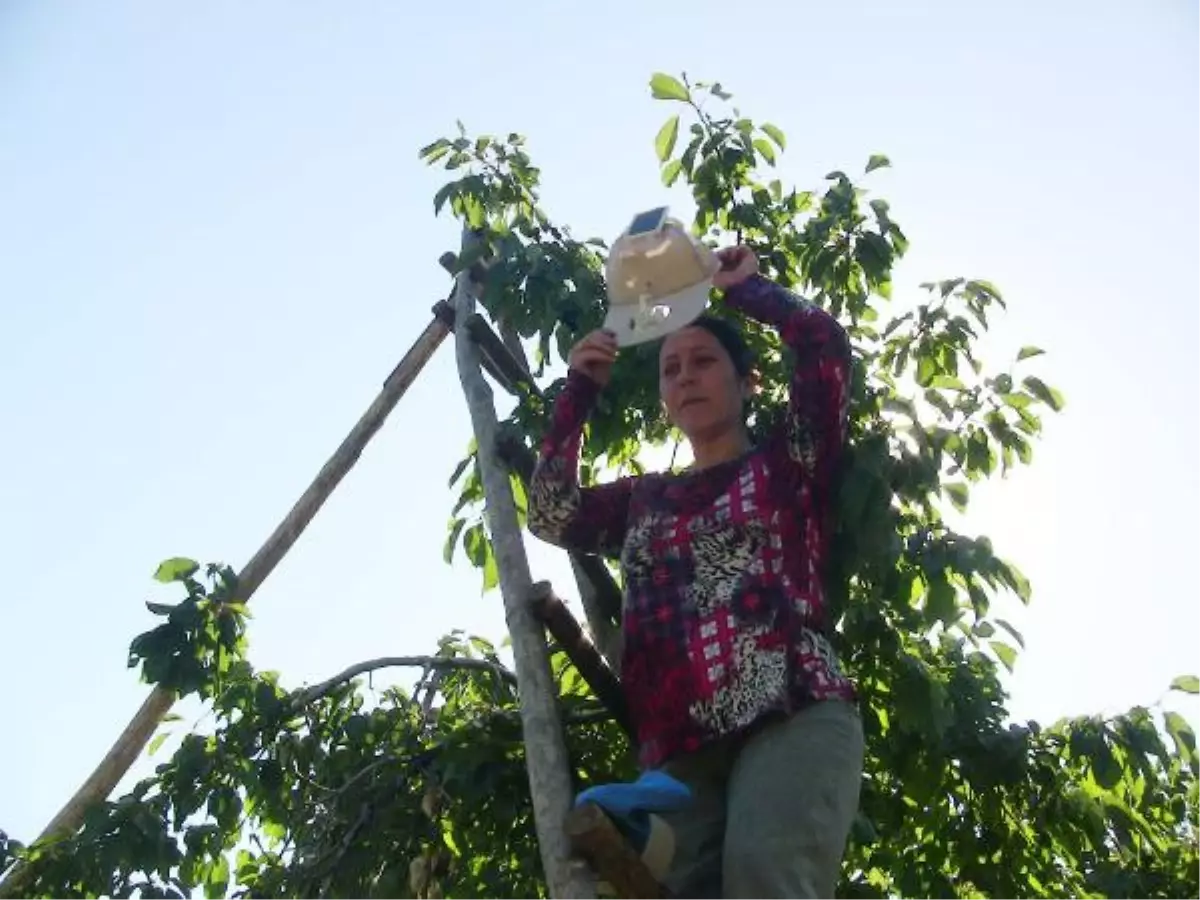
<point x="771" y="812"/>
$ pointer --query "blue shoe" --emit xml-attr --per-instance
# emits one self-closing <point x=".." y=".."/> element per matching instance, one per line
<point x="633" y="809"/>
<point x="654" y="791"/>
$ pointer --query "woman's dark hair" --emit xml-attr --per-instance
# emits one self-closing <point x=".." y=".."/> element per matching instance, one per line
<point x="729" y="337"/>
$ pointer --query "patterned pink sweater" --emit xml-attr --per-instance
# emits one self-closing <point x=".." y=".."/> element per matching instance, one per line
<point x="724" y="616"/>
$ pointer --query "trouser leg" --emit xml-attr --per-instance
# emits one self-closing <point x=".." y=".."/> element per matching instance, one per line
<point x="792" y="797"/>
<point x="700" y="827"/>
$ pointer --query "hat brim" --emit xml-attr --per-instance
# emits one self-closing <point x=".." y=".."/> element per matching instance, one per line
<point x="681" y="309"/>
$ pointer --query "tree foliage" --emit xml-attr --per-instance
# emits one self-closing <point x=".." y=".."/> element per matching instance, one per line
<point x="341" y="790"/>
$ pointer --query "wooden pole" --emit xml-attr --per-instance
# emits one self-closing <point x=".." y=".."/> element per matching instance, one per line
<point x="545" y="745"/>
<point x="129" y="745"/>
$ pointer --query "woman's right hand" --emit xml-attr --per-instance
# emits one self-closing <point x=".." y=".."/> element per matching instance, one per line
<point x="594" y="356"/>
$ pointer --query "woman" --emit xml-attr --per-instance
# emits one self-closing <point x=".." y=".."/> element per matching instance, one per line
<point x="732" y="684"/>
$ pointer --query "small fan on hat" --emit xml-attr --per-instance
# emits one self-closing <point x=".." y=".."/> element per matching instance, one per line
<point x="659" y="278"/>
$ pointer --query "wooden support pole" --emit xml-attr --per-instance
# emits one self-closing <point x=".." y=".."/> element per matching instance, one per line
<point x="545" y="745"/>
<point x="596" y="839"/>
<point x="130" y="743"/>
<point x="563" y="627"/>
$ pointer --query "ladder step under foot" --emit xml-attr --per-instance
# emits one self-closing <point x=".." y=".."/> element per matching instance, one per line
<point x="596" y="839"/>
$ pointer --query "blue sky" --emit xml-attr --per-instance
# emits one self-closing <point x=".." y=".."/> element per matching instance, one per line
<point x="216" y="241"/>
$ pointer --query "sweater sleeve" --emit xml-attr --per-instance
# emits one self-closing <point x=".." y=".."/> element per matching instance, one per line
<point x="560" y="512"/>
<point x="819" y="387"/>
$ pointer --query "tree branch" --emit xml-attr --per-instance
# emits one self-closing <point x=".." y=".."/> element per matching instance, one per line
<point x="316" y="692"/>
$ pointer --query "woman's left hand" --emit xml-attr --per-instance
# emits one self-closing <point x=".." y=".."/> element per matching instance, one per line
<point x="737" y="264"/>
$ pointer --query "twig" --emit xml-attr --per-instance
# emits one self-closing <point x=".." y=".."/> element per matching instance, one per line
<point x="361" y="774"/>
<point x="431" y="681"/>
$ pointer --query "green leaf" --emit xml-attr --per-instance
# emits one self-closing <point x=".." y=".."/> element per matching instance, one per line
<point x="877" y="161"/>
<point x="766" y="149"/>
<point x="1015" y="579"/>
<point x="1189" y="684"/>
<point x="1005" y="653"/>
<point x="431" y="153"/>
<point x="452" y="540"/>
<point x="1016" y="635"/>
<point x="665" y="87"/>
<point x="940" y="604"/>
<point x="664" y="141"/>
<point x="176" y="569"/>
<point x="520" y="499"/>
<point x="983" y="629"/>
<point x="475" y="543"/>
<point x="444" y="193"/>
<point x="958" y="494"/>
<point x="947" y="382"/>
<point x="1048" y="395"/>
<point x="926" y="367"/>
<point x="157" y="742"/>
<point x="1104" y="764"/>
<point x="1027" y="352"/>
<point x="671" y="171"/>
<point x="775" y="134"/>
<point x="460" y="468"/>
<point x="1182" y="734"/>
<point x="217" y="880"/>
<point x="491" y="575"/>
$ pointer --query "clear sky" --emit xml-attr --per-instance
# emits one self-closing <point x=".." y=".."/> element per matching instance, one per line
<point x="216" y="240"/>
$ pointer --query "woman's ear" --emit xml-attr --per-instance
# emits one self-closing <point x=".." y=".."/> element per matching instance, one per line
<point x="751" y="385"/>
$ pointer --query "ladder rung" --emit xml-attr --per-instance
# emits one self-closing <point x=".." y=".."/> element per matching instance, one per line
<point x="596" y="839"/>
<point x="513" y="372"/>
<point x="444" y="313"/>
<point x="582" y="652"/>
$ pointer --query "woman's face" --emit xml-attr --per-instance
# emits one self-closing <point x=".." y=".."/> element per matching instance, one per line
<point x="699" y="386"/>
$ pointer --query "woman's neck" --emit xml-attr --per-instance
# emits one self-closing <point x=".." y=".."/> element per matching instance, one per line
<point x="720" y="448"/>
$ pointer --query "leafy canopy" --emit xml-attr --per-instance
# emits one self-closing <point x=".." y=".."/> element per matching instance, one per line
<point x="342" y="790"/>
